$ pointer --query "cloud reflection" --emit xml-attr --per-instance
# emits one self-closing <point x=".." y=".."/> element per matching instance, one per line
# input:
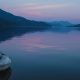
<point x="39" y="43"/>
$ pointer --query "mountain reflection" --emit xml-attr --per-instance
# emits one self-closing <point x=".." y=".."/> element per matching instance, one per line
<point x="10" y="33"/>
<point x="5" y="75"/>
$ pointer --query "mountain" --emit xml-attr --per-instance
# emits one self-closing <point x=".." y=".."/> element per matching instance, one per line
<point x="77" y="25"/>
<point x="61" y="23"/>
<point x="12" y="26"/>
<point x="8" y="20"/>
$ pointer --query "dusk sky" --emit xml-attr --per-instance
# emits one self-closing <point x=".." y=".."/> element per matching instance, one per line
<point x="44" y="10"/>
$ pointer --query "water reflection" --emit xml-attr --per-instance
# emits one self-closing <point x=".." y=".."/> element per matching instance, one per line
<point x="5" y="75"/>
<point x="10" y="33"/>
<point x="42" y="55"/>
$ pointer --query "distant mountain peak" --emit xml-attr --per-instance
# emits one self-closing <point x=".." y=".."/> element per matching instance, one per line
<point x="61" y="23"/>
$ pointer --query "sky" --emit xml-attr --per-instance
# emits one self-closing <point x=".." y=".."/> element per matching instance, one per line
<point x="44" y="10"/>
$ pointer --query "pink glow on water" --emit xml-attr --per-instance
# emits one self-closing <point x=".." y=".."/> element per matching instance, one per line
<point x="46" y="41"/>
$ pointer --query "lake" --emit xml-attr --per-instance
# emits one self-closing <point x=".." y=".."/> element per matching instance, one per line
<point x="45" y="55"/>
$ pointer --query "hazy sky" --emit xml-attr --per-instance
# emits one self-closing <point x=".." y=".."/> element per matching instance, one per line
<point x="47" y="10"/>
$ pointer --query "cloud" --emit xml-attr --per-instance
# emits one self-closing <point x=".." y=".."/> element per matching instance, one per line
<point x="41" y="7"/>
<point x="38" y="9"/>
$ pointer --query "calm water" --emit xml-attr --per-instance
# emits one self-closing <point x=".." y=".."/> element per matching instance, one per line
<point x="43" y="56"/>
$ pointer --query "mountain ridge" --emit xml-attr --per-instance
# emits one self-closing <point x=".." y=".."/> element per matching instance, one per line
<point x="8" y="19"/>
